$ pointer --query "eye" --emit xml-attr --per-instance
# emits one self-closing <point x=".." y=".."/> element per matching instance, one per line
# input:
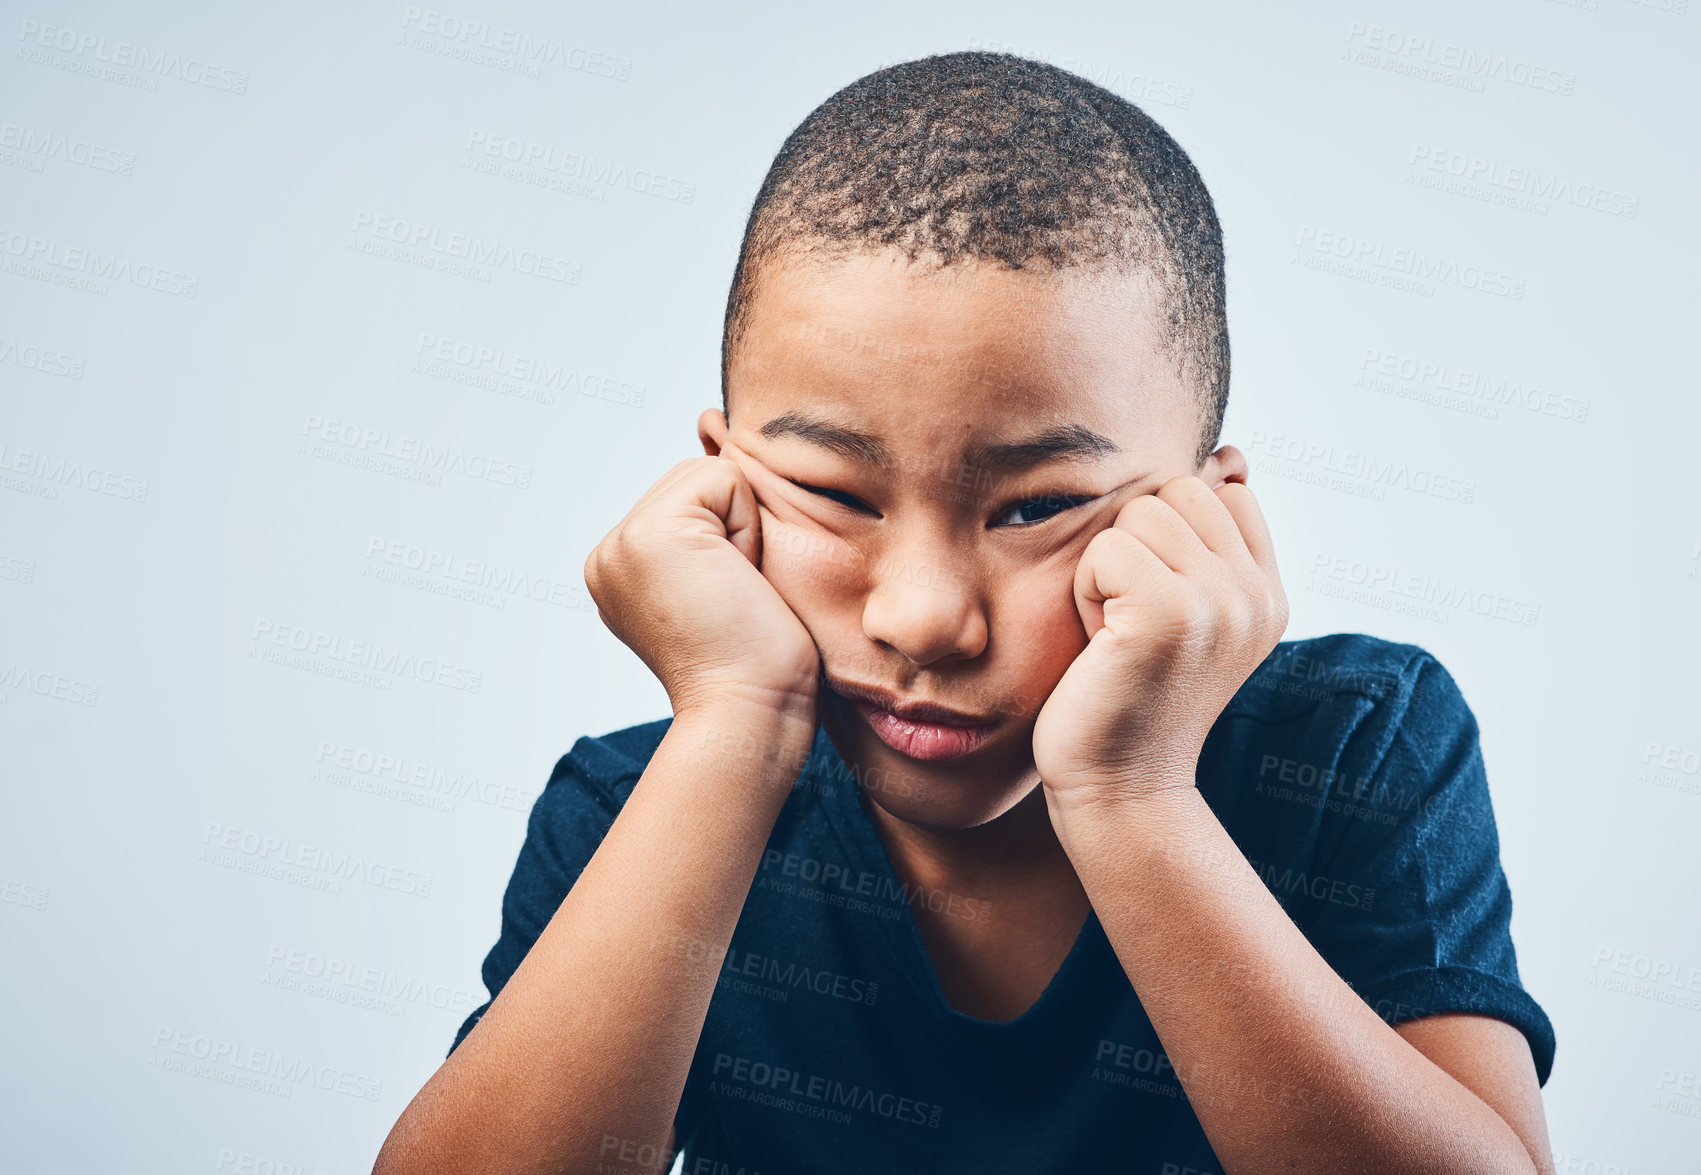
<point x="1030" y="511"/>
<point x="838" y="496"/>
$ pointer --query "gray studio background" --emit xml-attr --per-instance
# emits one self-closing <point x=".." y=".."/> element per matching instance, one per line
<point x="268" y="420"/>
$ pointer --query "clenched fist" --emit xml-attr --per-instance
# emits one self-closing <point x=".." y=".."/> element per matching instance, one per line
<point x="678" y="582"/>
<point x="1181" y="601"/>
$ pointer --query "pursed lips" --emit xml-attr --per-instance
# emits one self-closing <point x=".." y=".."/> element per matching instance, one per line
<point x="909" y="710"/>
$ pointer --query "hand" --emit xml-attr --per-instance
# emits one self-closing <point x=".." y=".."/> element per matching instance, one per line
<point x="1181" y="601"/>
<point x="678" y="582"/>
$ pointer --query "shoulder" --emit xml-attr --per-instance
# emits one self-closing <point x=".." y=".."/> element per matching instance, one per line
<point x="1299" y="674"/>
<point x="1346" y="704"/>
<point x="592" y="781"/>
<point x="584" y="794"/>
<point x="1348" y="671"/>
<point x="612" y="761"/>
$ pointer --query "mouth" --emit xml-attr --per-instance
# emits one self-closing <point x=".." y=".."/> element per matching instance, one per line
<point x="922" y="730"/>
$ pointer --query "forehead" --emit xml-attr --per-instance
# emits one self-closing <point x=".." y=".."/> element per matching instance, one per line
<point x="898" y="345"/>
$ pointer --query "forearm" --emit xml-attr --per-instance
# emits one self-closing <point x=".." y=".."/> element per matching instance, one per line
<point x="1285" y="1066"/>
<point x="592" y="1036"/>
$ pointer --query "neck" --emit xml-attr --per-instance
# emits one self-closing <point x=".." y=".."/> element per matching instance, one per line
<point x="1009" y="850"/>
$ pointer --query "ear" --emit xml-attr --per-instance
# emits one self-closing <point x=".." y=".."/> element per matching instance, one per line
<point x="712" y="431"/>
<point x="1225" y="465"/>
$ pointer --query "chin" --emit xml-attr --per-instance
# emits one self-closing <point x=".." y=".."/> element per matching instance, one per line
<point x="949" y="808"/>
<point x="949" y="796"/>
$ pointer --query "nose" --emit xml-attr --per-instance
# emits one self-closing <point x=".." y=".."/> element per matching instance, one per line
<point x="924" y="608"/>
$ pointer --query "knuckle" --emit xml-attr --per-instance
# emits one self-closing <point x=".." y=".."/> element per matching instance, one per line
<point x="1194" y="612"/>
<point x="1145" y="507"/>
<point x="1109" y="539"/>
<point x="1185" y="488"/>
<point x="596" y="563"/>
<point x="1241" y="616"/>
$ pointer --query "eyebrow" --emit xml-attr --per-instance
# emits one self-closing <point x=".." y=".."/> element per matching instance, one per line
<point x="1064" y="442"/>
<point x="846" y="442"/>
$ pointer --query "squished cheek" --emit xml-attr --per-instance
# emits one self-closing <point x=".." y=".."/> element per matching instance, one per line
<point x="804" y="562"/>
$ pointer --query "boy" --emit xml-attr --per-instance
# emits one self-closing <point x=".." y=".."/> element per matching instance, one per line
<point x="993" y="830"/>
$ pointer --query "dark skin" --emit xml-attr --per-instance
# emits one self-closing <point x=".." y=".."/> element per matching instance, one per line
<point x="931" y="365"/>
<point x="958" y="350"/>
<point x="1022" y="872"/>
<point x="995" y="507"/>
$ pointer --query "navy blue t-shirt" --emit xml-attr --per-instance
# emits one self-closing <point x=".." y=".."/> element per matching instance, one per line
<point x="1346" y="768"/>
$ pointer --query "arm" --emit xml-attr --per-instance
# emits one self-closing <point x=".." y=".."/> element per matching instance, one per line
<point x="581" y="1059"/>
<point x="591" y="1038"/>
<point x="1492" y="1059"/>
<point x="1286" y="1067"/>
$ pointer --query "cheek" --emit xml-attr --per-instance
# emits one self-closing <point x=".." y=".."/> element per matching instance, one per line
<point x="819" y="576"/>
<point x="1042" y="631"/>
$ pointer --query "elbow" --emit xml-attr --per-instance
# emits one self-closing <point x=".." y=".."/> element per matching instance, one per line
<point x="397" y="1157"/>
<point x="410" y="1150"/>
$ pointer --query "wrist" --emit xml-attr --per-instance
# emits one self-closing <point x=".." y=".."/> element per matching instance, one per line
<point x="758" y="737"/>
<point x="1162" y="797"/>
<point x="793" y="700"/>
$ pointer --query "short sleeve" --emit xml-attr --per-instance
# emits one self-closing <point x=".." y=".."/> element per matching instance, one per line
<point x="567" y="823"/>
<point x="1437" y="935"/>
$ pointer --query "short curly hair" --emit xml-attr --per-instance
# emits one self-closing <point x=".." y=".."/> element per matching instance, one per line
<point x="994" y="157"/>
